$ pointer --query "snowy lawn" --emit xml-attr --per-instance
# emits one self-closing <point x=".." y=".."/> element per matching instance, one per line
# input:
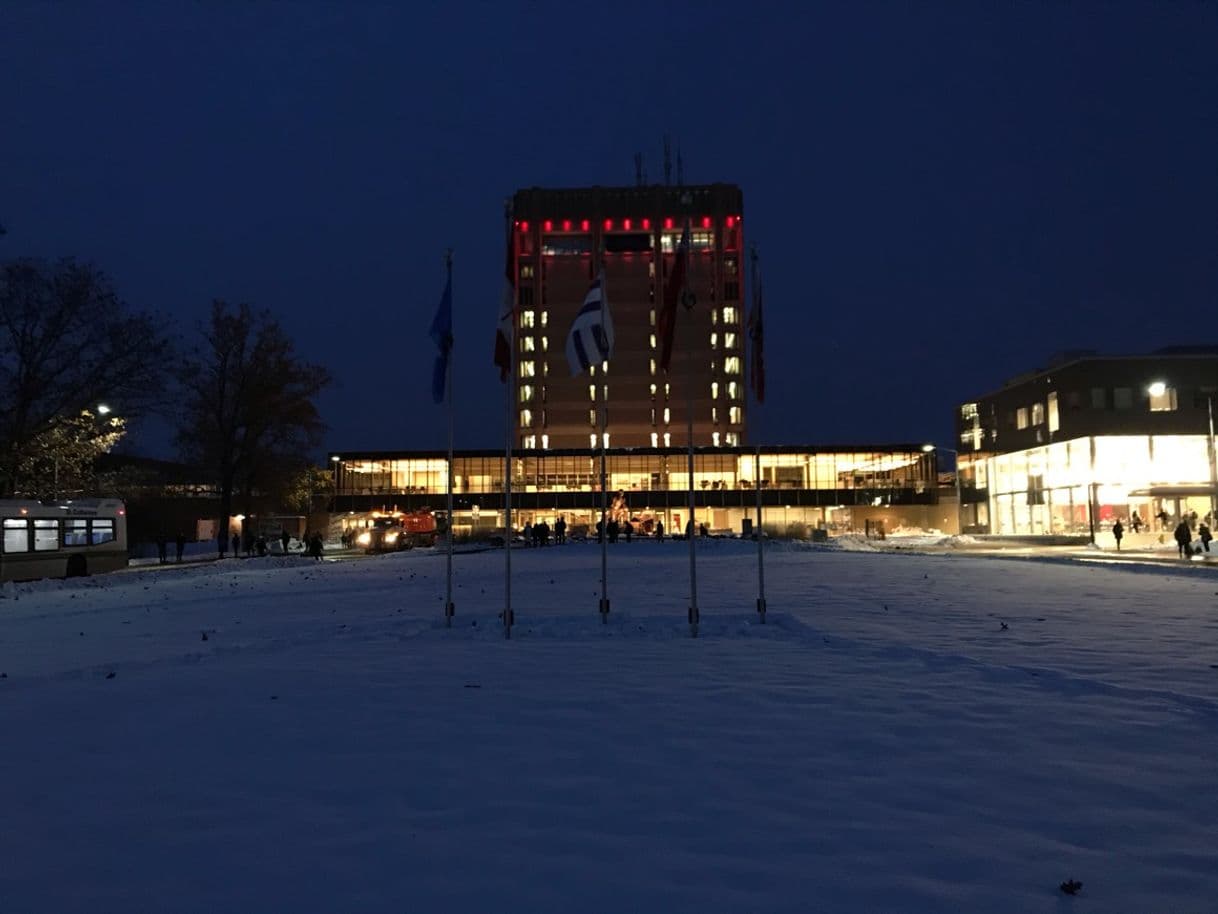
<point x="883" y="744"/>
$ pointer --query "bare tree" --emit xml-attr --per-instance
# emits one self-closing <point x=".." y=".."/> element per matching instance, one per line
<point x="249" y="411"/>
<point x="67" y="342"/>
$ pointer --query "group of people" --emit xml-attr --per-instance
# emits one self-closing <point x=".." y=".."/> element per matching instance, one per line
<point x="538" y="534"/>
<point x="162" y="547"/>
<point x="1183" y="533"/>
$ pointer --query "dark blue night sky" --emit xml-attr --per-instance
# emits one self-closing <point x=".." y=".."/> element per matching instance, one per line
<point x="942" y="196"/>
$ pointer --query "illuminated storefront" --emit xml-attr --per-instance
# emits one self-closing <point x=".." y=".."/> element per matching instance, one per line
<point x="838" y="490"/>
<point x="1073" y="448"/>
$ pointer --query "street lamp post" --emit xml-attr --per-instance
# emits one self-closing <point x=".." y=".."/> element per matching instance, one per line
<point x="930" y="448"/>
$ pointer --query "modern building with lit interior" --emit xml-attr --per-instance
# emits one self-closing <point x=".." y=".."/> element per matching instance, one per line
<point x="1070" y="448"/>
<point x="561" y="240"/>
<point x="803" y="489"/>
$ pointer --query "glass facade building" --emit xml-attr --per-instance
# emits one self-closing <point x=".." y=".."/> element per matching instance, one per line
<point x="837" y="489"/>
<point x="1071" y="449"/>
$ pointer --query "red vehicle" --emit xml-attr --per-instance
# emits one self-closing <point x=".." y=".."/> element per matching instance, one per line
<point x="397" y="531"/>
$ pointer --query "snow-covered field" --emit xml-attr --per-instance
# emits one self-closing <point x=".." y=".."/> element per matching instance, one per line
<point x="883" y="744"/>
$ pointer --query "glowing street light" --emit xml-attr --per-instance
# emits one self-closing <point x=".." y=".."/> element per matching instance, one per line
<point x="1157" y="389"/>
<point x="102" y="409"/>
<point x="930" y="448"/>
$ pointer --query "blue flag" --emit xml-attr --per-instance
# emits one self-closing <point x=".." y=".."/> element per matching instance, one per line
<point x="442" y="333"/>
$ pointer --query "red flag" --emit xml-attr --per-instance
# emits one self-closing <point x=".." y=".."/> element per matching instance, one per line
<point x="666" y="321"/>
<point x="506" y="331"/>
<point x="757" y="363"/>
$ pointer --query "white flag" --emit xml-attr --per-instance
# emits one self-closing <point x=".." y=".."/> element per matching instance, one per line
<point x="590" y="341"/>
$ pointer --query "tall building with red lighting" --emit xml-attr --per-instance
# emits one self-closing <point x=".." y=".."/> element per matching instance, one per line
<point x="563" y="238"/>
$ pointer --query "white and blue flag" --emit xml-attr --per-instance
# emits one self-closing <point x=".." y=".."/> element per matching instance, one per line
<point x="590" y="341"/>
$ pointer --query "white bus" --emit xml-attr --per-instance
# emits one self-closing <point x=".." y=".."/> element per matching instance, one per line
<point x="61" y="539"/>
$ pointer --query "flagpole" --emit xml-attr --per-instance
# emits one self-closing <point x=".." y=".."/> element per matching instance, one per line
<point x="604" y="405"/>
<point x="757" y="465"/>
<point x="449" y="609"/>
<point x="507" y="457"/>
<point x="687" y="301"/>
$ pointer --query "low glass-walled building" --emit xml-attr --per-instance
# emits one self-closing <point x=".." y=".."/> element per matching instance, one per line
<point x="1072" y="448"/>
<point x="835" y="489"/>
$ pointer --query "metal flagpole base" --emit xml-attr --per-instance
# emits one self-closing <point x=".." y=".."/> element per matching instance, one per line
<point x="450" y="610"/>
<point x="761" y="609"/>
<point x="693" y="622"/>
<point x="604" y="610"/>
<point x="508" y="618"/>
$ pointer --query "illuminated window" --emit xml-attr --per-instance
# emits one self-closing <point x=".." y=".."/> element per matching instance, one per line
<point x="714" y="390"/>
<point x="591" y="391"/>
<point x="529" y="442"/>
<point x="731" y="365"/>
<point x="655" y="439"/>
<point x="653" y="391"/>
<point x="545" y="318"/>
<point x="729" y="315"/>
<point x="714" y="318"/>
<point x="545" y="441"/>
<point x="714" y="340"/>
<point x="1021" y="417"/>
<point x="528" y="369"/>
<point x="652" y="316"/>
<point x="733" y="415"/>
<point x="592" y="371"/>
<point x="605" y="367"/>
<point x="1164" y="402"/>
<point x="653" y="415"/>
<point x="715" y="438"/>
<point x="526" y="418"/>
<point x="592" y="440"/>
<point x="1038" y="414"/>
<point x="526" y="392"/>
<point x="526" y="271"/>
<point x="545" y="369"/>
<point x="653" y="366"/>
<point x="733" y="390"/>
<point x="652" y="340"/>
<point x="729" y="341"/>
<point x="667" y="440"/>
<point x="606" y="439"/>
<point x="1054" y="417"/>
<point x="545" y="344"/>
<point x="733" y="439"/>
<point x="592" y="417"/>
<point x="667" y="415"/>
<point x="715" y="414"/>
<point x="667" y="389"/>
<point x="527" y="318"/>
<point x="526" y="344"/>
<point x="1122" y="397"/>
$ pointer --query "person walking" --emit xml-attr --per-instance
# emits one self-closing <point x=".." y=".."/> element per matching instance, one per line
<point x="1136" y="522"/>
<point x="528" y="534"/>
<point x="179" y="543"/>
<point x="161" y="546"/>
<point x="315" y="546"/>
<point x="285" y="538"/>
<point x="236" y="545"/>
<point x="1184" y="538"/>
<point x="1118" y="531"/>
<point x="560" y="531"/>
<point x="1206" y="536"/>
<point x="659" y="531"/>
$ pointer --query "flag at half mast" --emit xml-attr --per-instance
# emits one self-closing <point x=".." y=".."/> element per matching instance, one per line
<point x="590" y="341"/>
<point x="666" y="323"/>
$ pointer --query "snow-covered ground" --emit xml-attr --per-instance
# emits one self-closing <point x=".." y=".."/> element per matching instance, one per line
<point x="882" y="744"/>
